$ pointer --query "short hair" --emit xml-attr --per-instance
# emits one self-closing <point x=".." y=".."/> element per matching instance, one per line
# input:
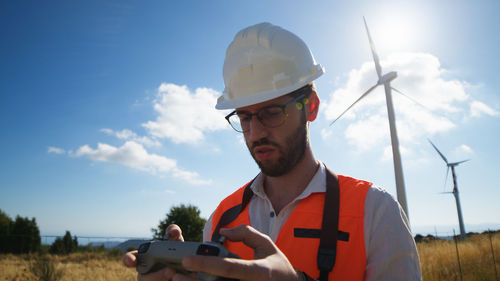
<point x="306" y="90"/>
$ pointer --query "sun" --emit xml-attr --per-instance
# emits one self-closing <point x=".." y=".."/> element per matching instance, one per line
<point x="394" y="33"/>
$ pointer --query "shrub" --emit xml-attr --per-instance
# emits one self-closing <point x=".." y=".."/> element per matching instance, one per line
<point x="65" y="245"/>
<point x="115" y="253"/>
<point x="45" y="269"/>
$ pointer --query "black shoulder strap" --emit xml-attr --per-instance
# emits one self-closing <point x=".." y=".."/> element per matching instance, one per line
<point x="329" y="228"/>
<point x="232" y="213"/>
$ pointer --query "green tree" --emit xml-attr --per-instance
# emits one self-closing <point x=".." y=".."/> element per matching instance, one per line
<point x="24" y="236"/>
<point x="5" y="223"/>
<point x="65" y="245"/>
<point x="189" y="220"/>
<point x="19" y="236"/>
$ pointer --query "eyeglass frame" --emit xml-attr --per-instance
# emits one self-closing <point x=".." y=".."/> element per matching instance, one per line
<point x="256" y="114"/>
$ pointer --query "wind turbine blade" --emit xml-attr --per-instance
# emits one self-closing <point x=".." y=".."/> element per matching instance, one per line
<point x="416" y="102"/>
<point x="410" y="98"/>
<point x="441" y="154"/>
<point x="456" y="163"/>
<point x="374" y="53"/>
<point x="360" y="98"/>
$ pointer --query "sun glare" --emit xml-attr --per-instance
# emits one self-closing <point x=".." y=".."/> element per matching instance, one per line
<point x="394" y="33"/>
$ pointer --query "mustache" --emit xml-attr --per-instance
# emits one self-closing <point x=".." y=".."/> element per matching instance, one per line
<point x="263" y="141"/>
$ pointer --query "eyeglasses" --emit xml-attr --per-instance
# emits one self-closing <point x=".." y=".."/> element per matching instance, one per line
<point x="270" y="116"/>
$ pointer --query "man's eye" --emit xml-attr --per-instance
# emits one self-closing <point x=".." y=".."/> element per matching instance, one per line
<point x="271" y="112"/>
<point x="244" y="117"/>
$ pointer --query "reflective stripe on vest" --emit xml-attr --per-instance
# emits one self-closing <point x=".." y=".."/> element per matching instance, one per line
<point x="299" y="236"/>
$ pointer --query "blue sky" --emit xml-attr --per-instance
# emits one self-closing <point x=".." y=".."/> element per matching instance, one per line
<point x="107" y="117"/>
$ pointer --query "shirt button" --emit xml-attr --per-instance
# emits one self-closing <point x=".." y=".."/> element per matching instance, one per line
<point x="272" y="214"/>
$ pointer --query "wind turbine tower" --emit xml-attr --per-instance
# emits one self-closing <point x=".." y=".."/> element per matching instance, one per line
<point x="455" y="188"/>
<point x="386" y="81"/>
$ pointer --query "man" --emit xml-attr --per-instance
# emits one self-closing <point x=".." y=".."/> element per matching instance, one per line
<point x="296" y="220"/>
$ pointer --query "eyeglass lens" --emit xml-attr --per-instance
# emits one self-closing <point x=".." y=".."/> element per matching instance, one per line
<point x="271" y="116"/>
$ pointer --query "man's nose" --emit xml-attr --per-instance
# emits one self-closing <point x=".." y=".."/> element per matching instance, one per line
<point x="256" y="130"/>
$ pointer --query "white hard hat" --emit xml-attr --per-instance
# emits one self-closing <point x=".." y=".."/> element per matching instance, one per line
<point x="264" y="62"/>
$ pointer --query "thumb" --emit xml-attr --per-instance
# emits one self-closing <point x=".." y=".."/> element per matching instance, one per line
<point x="261" y="243"/>
<point x="174" y="233"/>
<point x="130" y="259"/>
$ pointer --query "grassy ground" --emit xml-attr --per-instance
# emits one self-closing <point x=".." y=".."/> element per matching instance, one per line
<point x="438" y="259"/>
<point x="78" y="266"/>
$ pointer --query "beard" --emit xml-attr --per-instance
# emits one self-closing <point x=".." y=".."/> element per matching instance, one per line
<point x="290" y="153"/>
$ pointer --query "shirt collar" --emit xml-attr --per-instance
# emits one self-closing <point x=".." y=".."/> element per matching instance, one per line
<point x="317" y="184"/>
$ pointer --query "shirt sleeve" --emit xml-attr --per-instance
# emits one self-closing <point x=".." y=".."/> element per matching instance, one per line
<point x="207" y="229"/>
<point x="391" y="253"/>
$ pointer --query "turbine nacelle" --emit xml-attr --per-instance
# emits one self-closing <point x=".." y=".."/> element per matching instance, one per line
<point x="388" y="77"/>
<point x="457" y="163"/>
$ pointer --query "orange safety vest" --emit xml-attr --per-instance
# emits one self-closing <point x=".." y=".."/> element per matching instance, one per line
<point x="299" y="236"/>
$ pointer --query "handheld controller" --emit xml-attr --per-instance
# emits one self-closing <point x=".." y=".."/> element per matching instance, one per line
<point x="155" y="255"/>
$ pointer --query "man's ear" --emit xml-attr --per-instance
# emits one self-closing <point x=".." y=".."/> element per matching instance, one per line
<point x="313" y="107"/>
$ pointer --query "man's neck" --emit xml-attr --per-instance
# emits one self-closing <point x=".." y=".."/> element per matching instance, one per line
<point x="284" y="189"/>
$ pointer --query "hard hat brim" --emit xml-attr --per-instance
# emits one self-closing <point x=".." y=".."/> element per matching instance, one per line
<point x="223" y="103"/>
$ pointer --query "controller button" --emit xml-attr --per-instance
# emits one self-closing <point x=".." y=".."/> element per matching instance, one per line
<point x="208" y="250"/>
<point x="144" y="247"/>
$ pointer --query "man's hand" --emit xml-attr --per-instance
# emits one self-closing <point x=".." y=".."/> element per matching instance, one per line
<point x="174" y="233"/>
<point x="269" y="263"/>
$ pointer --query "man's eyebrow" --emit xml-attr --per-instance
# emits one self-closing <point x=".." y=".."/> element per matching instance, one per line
<point x="267" y="106"/>
<point x="242" y="112"/>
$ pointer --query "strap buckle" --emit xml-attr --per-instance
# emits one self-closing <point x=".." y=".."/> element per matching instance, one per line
<point x="326" y="258"/>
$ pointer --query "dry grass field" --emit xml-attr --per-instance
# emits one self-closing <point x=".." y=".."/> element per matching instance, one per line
<point x="74" y="267"/>
<point x="440" y="262"/>
<point x="438" y="259"/>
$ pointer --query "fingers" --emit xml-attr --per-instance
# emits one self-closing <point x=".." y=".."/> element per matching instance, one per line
<point x="129" y="259"/>
<point x="237" y="268"/>
<point x="174" y="233"/>
<point x="227" y="267"/>
<point x="182" y="277"/>
<point x="261" y="243"/>
<point x="165" y="274"/>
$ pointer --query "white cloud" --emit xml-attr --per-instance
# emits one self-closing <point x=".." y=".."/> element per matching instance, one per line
<point x="133" y="154"/>
<point x="55" y="150"/>
<point x="362" y="135"/>
<point x="241" y="139"/>
<point x="183" y="116"/>
<point x="420" y="76"/>
<point x="387" y="154"/>
<point x="477" y="109"/>
<point x="126" y="134"/>
<point x="123" y="134"/>
<point x="325" y="133"/>
<point x="466" y="148"/>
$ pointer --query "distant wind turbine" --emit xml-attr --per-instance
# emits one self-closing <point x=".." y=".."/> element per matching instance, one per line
<point x="455" y="188"/>
<point x="386" y="81"/>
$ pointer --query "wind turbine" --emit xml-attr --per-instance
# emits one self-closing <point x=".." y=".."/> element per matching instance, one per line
<point x="386" y="81"/>
<point x="455" y="188"/>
